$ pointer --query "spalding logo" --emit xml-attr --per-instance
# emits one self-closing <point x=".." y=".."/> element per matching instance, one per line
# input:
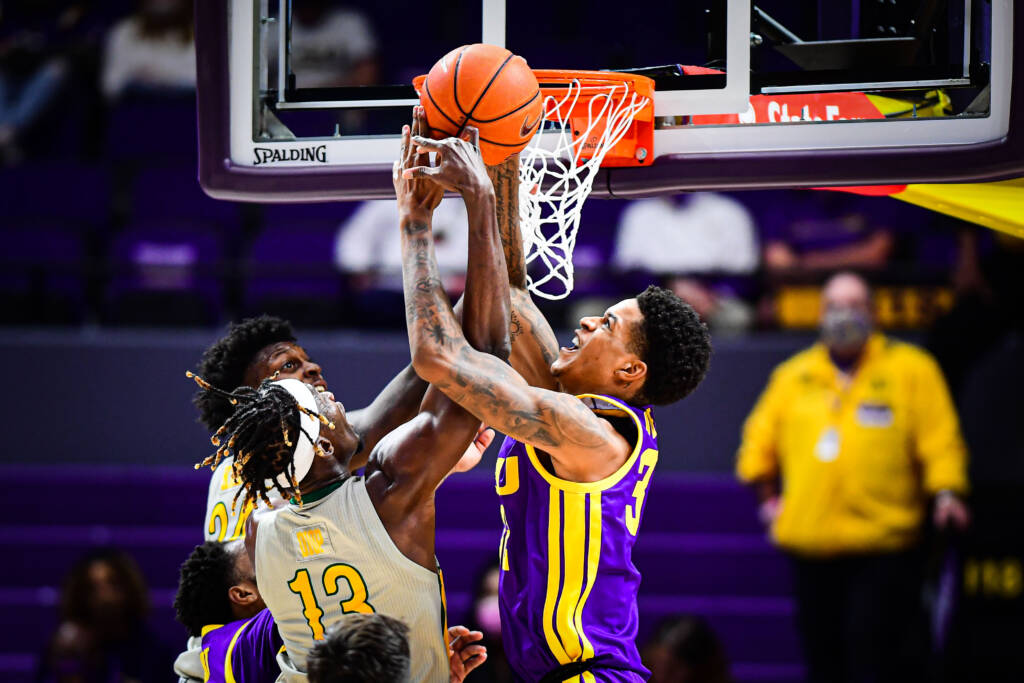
<point x="267" y="155"/>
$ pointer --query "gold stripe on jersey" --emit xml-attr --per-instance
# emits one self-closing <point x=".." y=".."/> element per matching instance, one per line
<point x="229" y="674"/>
<point x="574" y="533"/>
<point x="444" y="608"/>
<point x="593" y="560"/>
<point x="574" y="550"/>
<point x="554" y="576"/>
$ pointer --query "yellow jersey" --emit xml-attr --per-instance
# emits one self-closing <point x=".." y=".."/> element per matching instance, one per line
<point x="857" y="458"/>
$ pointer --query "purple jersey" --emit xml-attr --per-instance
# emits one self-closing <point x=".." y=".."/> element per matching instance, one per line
<point x="243" y="651"/>
<point x="568" y="585"/>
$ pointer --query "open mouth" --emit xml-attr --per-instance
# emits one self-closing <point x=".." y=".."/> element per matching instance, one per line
<point x="574" y="345"/>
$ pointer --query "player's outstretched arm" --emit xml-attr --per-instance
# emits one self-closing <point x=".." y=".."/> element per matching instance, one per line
<point x="583" y="445"/>
<point x="534" y="347"/>
<point x="422" y="452"/>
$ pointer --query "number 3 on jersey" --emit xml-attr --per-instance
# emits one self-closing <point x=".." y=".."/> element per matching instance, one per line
<point x="301" y="586"/>
<point x="648" y="459"/>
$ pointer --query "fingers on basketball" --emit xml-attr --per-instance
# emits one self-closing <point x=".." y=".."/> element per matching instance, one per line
<point x="489" y="88"/>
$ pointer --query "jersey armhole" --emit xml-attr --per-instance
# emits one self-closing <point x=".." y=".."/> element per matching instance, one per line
<point x="601" y="484"/>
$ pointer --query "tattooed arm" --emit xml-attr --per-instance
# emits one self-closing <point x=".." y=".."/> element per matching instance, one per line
<point x="411" y="461"/>
<point x="583" y="447"/>
<point x="534" y="347"/>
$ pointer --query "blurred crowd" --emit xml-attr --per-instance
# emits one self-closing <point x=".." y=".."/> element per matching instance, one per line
<point x="105" y="224"/>
<point x="98" y="193"/>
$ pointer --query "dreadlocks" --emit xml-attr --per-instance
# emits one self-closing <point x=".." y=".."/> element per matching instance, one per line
<point x="259" y="436"/>
<point x="225" y="362"/>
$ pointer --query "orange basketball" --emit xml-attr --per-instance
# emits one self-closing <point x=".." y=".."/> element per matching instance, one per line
<point x="488" y="87"/>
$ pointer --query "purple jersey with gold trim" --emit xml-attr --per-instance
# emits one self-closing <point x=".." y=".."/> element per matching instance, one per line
<point x="243" y="651"/>
<point x="568" y="586"/>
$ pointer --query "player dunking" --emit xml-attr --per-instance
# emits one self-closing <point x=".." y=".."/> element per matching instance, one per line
<point x="573" y="473"/>
<point x="363" y="544"/>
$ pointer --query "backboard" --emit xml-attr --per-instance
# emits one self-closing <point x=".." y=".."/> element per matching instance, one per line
<point x="775" y="93"/>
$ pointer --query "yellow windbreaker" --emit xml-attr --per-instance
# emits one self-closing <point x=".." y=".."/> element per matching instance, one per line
<point x="857" y="461"/>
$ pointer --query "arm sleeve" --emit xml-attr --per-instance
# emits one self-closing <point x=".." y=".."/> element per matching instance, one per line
<point x="758" y="457"/>
<point x="938" y="442"/>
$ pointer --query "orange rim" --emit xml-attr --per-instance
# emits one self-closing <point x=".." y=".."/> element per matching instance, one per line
<point x="636" y="148"/>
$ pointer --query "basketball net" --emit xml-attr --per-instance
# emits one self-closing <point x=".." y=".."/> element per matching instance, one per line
<point x="555" y="181"/>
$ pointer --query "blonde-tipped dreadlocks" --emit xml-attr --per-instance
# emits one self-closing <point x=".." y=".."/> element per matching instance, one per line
<point x="258" y="435"/>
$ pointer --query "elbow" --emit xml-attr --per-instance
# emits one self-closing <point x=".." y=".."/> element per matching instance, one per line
<point x="430" y="364"/>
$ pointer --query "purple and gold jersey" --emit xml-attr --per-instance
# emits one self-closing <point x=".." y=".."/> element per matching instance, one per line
<point x="568" y="586"/>
<point x="243" y="651"/>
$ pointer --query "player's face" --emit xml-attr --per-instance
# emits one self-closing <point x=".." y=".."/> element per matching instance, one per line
<point x="342" y="438"/>
<point x="288" y="359"/>
<point x="599" y="348"/>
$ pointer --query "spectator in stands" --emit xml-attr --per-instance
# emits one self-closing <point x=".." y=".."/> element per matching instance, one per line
<point x="36" y="41"/>
<point x="331" y="46"/>
<point x="103" y="634"/>
<point x="684" y="649"/>
<point x="861" y="433"/>
<point x="703" y="244"/>
<point x="368" y="250"/>
<point x="821" y="231"/>
<point x="151" y="50"/>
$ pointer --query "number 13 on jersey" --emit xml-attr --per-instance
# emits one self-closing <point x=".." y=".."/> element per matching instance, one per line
<point x="301" y="586"/>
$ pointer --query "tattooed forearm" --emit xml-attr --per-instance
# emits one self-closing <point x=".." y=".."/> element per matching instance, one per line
<point x="505" y="178"/>
<point x="428" y="314"/>
<point x="496" y="394"/>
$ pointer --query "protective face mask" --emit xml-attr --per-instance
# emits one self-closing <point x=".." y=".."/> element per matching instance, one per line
<point x="845" y="330"/>
<point x="488" y="618"/>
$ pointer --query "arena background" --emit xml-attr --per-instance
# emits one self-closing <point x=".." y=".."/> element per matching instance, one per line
<point x="117" y="272"/>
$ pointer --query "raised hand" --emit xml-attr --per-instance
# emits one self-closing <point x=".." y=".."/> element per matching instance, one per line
<point x="460" y="169"/>
<point x="417" y="197"/>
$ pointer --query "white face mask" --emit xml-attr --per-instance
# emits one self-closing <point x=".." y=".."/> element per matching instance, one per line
<point x="845" y="330"/>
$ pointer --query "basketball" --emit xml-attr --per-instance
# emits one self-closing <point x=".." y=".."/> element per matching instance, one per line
<point x="488" y="87"/>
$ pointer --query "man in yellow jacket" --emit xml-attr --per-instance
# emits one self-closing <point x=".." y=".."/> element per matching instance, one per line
<point x="848" y="445"/>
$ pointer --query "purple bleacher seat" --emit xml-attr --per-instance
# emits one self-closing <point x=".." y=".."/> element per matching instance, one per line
<point x="62" y="189"/>
<point x="149" y="129"/>
<point x="700" y="552"/>
<point x="289" y="271"/>
<point x="42" y="271"/>
<point x="174" y="192"/>
<point x="166" y="273"/>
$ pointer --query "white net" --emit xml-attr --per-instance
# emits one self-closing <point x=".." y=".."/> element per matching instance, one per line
<point x="555" y="179"/>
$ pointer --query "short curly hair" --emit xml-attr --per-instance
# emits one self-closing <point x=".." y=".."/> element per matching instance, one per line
<point x="361" y="648"/>
<point x="674" y="344"/>
<point x="224" y="364"/>
<point x="203" y="584"/>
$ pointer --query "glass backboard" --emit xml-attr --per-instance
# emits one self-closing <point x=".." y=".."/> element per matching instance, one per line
<point x="302" y="100"/>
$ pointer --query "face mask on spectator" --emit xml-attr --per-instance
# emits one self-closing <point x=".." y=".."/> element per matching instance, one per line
<point x="845" y="330"/>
